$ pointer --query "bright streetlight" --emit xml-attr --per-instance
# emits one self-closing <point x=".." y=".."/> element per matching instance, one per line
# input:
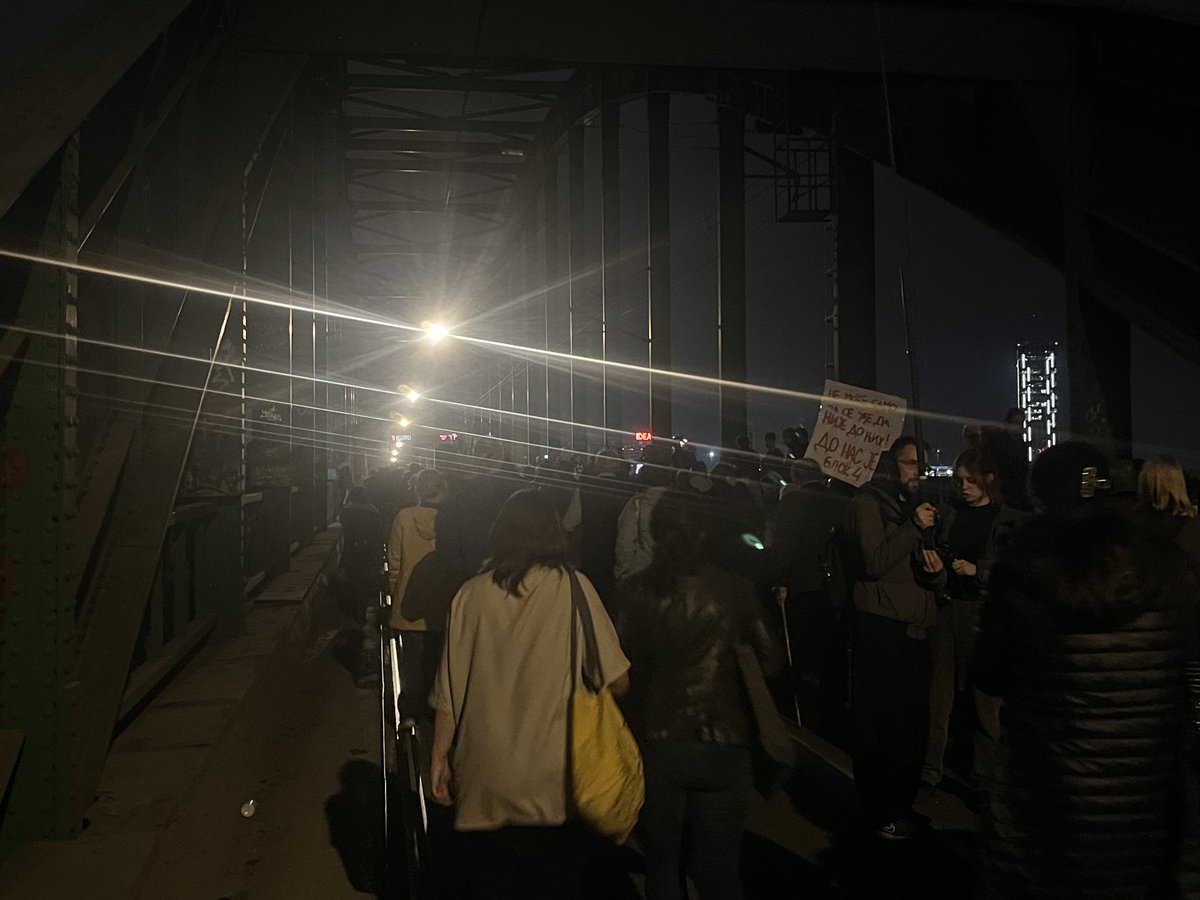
<point x="435" y="332"/>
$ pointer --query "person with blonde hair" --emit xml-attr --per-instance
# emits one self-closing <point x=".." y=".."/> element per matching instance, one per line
<point x="1164" y="508"/>
<point x="1163" y="488"/>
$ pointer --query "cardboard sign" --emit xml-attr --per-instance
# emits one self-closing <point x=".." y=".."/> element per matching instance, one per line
<point x="854" y="427"/>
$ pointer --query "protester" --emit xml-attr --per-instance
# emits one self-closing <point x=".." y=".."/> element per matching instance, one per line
<point x="682" y="618"/>
<point x="1166" y="509"/>
<point x="473" y="501"/>
<point x="603" y="492"/>
<point x="894" y="610"/>
<point x="501" y="700"/>
<point x="1086" y="632"/>
<point x="969" y="533"/>
<point x="634" y="546"/>
<point x="359" y="578"/>
<point x="360" y="566"/>
<point x="414" y="536"/>
<point x="797" y="564"/>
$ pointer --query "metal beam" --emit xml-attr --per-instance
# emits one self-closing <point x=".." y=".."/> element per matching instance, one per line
<point x="44" y="102"/>
<point x="473" y="83"/>
<point x="145" y="134"/>
<point x="435" y="124"/>
<point x="37" y="616"/>
<point x="610" y="237"/>
<point x="853" y="314"/>
<point x="515" y="146"/>
<point x="424" y="164"/>
<point x="942" y="39"/>
<point x="466" y="207"/>
<point x="731" y="270"/>
<point x="658" y="213"/>
<point x="207" y="225"/>
<point x="405" y="250"/>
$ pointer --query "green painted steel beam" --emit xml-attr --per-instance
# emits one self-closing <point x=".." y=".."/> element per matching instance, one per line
<point x="200" y="178"/>
<point x="37" y="617"/>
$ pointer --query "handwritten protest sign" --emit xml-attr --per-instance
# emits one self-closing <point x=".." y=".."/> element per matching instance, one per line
<point x="854" y="426"/>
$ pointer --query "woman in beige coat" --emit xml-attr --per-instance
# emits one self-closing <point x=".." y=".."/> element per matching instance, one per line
<point x="413" y="537"/>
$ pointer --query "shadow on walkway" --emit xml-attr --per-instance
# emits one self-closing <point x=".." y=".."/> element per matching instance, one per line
<point x="938" y="865"/>
<point x="356" y="825"/>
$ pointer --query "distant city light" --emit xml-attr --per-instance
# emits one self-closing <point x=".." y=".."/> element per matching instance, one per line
<point x="1037" y="395"/>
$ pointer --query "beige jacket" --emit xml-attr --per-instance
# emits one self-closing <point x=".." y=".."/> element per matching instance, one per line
<point x="414" y="534"/>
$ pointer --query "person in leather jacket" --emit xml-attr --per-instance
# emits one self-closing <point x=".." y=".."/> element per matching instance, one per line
<point x="681" y="619"/>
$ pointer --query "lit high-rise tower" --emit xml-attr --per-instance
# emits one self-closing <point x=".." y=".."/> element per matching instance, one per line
<point x="1037" y="395"/>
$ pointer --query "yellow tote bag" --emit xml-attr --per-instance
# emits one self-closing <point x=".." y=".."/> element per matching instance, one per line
<point x="606" y="767"/>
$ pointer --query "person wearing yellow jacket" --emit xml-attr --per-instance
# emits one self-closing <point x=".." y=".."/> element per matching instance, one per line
<point x="414" y="536"/>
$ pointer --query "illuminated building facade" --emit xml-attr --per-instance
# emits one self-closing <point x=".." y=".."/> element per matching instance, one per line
<point x="1037" y="395"/>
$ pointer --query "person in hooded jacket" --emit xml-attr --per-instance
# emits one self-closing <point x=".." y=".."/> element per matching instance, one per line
<point x="1087" y="629"/>
<point x="894" y="609"/>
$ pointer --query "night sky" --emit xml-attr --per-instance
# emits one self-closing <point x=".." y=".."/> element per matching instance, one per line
<point x="974" y="294"/>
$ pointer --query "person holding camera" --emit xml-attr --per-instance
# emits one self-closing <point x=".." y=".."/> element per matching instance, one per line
<point x="894" y="609"/>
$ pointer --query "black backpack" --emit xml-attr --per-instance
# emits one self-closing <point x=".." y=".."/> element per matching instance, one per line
<point x="836" y="563"/>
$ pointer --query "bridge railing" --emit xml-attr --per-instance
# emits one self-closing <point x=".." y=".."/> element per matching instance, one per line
<point x="406" y="818"/>
<point x="194" y="592"/>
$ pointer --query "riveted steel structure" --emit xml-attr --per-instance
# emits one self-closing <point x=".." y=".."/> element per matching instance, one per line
<point x="359" y="167"/>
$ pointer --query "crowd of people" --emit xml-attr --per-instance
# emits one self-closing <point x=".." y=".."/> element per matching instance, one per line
<point x="1039" y="623"/>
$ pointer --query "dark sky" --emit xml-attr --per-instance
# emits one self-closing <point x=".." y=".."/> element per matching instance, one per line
<point x="973" y="294"/>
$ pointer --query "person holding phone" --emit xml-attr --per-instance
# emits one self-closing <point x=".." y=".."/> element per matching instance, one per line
<point x="894" y="609"/>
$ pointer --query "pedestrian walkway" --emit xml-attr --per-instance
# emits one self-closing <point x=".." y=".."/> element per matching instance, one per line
<point x="166" y="820"/>
<point x="275" y="717"/>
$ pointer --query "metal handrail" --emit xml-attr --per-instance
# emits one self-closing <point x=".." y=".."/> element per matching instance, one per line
<point x="406" y="818"/>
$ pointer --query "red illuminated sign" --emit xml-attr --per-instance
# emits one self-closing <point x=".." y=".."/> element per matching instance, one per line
<point x="643" y="437"/>
<point x="449" y="436"/>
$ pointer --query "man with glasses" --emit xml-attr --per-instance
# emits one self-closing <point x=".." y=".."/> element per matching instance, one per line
<point x="894" y="609"/>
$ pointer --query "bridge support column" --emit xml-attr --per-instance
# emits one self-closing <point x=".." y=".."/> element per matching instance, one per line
<point x="658" y="211"/>
<point x="558" y="382"/>
<point x="1098" y="341"/>
<point x="535" y="318"/>
<point x="731" y="271"/>
<point x="577" y="303"/>
<point x="38" y="697"/>
<point x="1098" y="356"/>
<point x="610" y="237"/>
<point x="854" y="269"/>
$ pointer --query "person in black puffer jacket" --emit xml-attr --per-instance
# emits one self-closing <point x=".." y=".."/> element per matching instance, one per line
<point x="1087" y="630"/>
<point x="680" y="620"/>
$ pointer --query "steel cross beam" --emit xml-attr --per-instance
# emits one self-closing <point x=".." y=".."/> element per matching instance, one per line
<point x="436" y="82"/>
<point x="515" y="147"/>
<point x="437" y="124"/>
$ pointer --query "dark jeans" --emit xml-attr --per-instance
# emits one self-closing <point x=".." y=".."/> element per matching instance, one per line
<point x="695" y="792"/>
<point x="420" y="653"/>
<point x="890" y="712"/>
<point x="520" y="863"/>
